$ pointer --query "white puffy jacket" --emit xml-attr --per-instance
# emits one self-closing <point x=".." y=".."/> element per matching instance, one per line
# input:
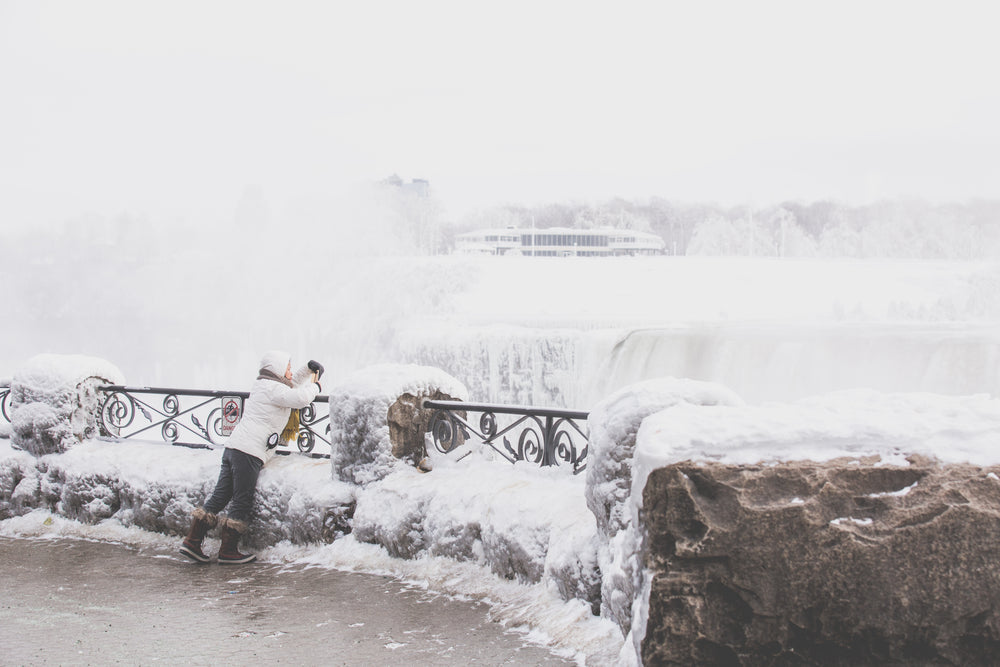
<point x="268" y="408"/>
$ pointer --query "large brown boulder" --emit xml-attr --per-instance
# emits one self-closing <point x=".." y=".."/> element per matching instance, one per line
<point x="834" y="563"/>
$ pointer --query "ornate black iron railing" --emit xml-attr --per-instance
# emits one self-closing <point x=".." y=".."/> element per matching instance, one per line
<point x="207" y="418"/>
<point x="546" y="436"/>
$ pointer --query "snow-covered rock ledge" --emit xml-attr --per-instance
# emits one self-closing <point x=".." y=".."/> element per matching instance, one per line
<point x="851" y="529"/>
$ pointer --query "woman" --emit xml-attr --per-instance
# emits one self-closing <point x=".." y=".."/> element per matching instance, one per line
<point x="273" y="397"/>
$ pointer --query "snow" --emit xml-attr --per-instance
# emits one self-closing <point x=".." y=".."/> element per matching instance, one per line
<point x="53" y="373"/>
<point x="857" y="424"/>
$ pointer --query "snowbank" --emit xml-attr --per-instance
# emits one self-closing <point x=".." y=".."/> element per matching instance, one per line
<point x="360" y="424"/>
<point x="54" y="401"/>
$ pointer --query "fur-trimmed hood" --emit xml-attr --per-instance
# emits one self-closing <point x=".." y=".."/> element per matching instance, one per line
<point x="275" y="361"/>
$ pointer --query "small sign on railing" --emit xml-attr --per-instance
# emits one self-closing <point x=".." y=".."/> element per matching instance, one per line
<point x="232" y="410"/>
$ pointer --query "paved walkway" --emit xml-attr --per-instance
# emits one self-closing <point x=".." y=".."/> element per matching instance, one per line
<point x="72" y="602"/>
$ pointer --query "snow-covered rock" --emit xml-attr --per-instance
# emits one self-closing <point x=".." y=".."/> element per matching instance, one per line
<point x="362" y="450"/>
<point x="54" y="401"/>
<point x="875" y="495"/>
<point x="613" y="424"/>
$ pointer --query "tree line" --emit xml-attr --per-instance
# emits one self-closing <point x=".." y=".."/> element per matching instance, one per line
<point x="900" y="228"/>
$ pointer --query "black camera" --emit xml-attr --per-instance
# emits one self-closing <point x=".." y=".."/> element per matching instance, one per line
<point x="316" y="368"/>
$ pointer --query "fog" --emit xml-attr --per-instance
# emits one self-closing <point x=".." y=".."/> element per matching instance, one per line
<point x="183" y="186"/>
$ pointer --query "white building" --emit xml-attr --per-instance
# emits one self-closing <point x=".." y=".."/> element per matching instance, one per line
<point x="559" y="242"/>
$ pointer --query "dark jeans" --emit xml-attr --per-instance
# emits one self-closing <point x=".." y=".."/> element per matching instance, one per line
<point x="237" y="482"/>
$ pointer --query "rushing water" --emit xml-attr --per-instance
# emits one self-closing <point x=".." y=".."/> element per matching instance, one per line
<point x="760" y="362"/>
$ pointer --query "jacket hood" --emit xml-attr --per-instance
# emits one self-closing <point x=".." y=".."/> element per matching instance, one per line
<point x="275" y="361"/>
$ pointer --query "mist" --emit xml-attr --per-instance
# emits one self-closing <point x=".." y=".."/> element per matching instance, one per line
<point x="184" y="186"/>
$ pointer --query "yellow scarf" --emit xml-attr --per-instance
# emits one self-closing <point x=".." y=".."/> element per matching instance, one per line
<point x="291" y="431"/>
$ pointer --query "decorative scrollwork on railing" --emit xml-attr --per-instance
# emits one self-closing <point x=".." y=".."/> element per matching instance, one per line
<point x="117" y="413"/>
<point x="309" y="429"/>
<point x="445" y="430"/>
<point x="170" y="432"/>
<point x="202" y="424"/>
<point x="545" y="436"/>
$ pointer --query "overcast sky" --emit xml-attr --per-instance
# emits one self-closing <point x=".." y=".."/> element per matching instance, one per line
<point x="175" y="108"/>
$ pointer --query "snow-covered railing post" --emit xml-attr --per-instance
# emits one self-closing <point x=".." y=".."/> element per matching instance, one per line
<point x="546" y="436"/>
<point x="201" y="415"/>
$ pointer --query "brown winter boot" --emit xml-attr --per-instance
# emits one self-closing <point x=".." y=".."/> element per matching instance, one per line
<point x="201" y="523"/>
<point x="232" y="531"/>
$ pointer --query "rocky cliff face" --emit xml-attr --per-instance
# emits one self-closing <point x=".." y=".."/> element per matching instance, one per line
<point x="836" y="563"/>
